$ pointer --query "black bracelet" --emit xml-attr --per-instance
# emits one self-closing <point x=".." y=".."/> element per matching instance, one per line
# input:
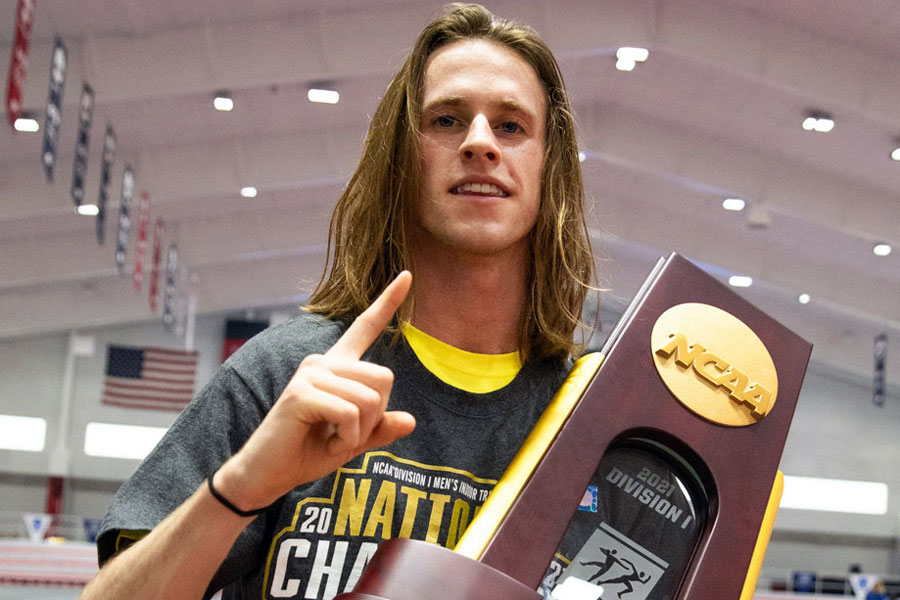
<point x="229" y="505"/>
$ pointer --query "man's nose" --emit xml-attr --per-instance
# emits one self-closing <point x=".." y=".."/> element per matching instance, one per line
<point x="480" y="142"/>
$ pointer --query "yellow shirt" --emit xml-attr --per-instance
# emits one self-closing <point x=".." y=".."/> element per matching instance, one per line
<point x="468" y="371"/>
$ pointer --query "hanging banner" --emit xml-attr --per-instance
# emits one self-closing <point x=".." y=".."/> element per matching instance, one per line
<point x="862" y="584"/>
<point x="124" y="229"/>
<point x="91" y="529"/>
<point x="141" y="246"/>
<point x="154" y="270"/>
<point x="79" y="169"/>
<point x="106" y="162"/>
<point x="237" y="332"/>
<point x="52" y="115"/>
<point x="170" y="291"/>
<point x="18" y="60"/>
<point x="37" y="525"/>
<point x="880" y="360"/>
<point x="185" y="284"/>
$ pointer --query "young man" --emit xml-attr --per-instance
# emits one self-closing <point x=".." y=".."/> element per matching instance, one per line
<point x="470" y="180"/>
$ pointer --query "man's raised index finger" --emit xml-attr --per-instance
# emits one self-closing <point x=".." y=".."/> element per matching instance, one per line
<point x="366" y="328"/>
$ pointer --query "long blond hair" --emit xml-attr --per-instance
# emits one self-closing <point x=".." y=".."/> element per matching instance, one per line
<point x="368" y="228"/>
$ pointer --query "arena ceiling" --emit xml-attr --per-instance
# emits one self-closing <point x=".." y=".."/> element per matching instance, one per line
<point x="715" y="112"/>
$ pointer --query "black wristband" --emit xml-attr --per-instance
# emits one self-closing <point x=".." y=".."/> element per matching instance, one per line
<point x="229" y="505"/>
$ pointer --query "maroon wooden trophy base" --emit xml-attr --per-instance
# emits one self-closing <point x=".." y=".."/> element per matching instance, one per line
<point x="404" y="569"/>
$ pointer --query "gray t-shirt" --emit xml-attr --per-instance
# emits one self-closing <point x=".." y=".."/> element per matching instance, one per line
<point x="315" y="541"/>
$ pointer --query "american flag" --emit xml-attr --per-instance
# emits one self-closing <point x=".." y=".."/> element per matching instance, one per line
<point x="154" y="378"/>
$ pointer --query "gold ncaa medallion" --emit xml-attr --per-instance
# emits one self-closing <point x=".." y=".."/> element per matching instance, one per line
<point x="714" y="364"/>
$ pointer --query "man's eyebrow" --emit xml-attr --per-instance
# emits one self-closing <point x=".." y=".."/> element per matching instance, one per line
<point x="443" y="101"/>
<point x="505" y="104"/>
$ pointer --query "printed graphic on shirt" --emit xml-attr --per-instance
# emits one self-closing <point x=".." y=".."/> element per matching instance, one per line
<point x="622" y="567"/>
<point x="330" y="540"/>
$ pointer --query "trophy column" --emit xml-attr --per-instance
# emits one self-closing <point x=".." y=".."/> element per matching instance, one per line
<point x="649" y="475"/>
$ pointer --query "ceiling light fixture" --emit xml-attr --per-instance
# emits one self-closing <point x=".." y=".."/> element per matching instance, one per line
<point x="818" y="121"/>
<point x="223" y="101"/>
<point x="824" y="125"/>
<point x="628" y="56"/>
<point x="323" y="96"/>
<point x="90" y="210"/>
<point x="733" y="204"/>
<point x="882" y="249"/>
<point x="26" y="125"/>
<point x="248" y="192"/>
<point x="741" y="281"/>
<point x="803" y="299"/>
<point x="896" y="154"/>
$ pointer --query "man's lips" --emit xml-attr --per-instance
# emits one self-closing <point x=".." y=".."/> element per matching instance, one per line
<point x="482" y="189"/>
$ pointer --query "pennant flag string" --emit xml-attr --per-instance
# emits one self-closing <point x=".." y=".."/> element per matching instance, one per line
<point x="53" y="115"/>
<point x="52" y="124"/>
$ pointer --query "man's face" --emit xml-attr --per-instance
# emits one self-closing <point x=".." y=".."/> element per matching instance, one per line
<point x="483" y="122"/>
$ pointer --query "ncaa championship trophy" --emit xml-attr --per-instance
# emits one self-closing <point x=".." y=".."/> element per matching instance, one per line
<point x="652" y="475"/>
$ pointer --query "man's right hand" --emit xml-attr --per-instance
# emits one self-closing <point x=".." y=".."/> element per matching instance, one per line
<point x="333" y="408"/>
